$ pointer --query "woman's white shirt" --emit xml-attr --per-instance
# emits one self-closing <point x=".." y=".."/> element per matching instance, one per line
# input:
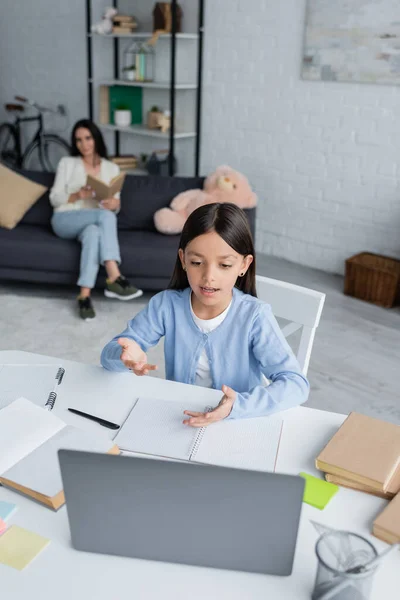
<point x="71" y="177"/>
<point x="203" y="373"/>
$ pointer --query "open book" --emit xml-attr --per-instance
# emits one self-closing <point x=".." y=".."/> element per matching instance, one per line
<point x="29" y="440"/>
<point x="104" y="190"/>
<point x="155" y="427"/>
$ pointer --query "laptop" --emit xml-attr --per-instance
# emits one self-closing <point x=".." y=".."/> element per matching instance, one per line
<point x="180" y="512"/>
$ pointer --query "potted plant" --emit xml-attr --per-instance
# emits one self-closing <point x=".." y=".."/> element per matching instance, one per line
<point x="122" y="116"/>
<point x="129" y="72"/>
<point x="153" y="116"/>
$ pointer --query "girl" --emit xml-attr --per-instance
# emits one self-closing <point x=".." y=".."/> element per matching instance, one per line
<point x="77" y="214"/>
<point x="217" y="333"/>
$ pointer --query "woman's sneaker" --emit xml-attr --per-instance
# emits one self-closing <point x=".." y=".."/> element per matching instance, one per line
<point x="86" y="310"/>
<point x="121" y="289"/>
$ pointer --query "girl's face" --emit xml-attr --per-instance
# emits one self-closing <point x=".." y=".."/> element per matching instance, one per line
<point x="84" y="142"/>
<point x="212" y="268"/>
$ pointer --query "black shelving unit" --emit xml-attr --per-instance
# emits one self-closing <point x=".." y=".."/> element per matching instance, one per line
<point x="172" y="86"/>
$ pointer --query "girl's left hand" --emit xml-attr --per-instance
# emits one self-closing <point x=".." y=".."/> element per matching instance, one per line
<point x="199" y="419"/>
<point x="110" y="203"/>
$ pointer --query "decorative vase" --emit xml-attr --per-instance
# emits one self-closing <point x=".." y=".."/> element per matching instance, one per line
<point x="122" y="118"/>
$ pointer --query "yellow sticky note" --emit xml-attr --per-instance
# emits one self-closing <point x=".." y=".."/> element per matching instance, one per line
<point x="18" y="547"/>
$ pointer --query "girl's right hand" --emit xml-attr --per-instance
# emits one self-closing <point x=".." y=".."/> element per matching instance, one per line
<point x="134" y="358"/>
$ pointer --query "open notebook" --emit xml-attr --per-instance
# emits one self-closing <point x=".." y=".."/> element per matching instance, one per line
<point x="30" y="438"/>
<point x="155" y="427"/>
<point x="39" y="382"/>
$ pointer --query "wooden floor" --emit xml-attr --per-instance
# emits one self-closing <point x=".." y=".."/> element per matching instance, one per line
<point x="355" y="363"/>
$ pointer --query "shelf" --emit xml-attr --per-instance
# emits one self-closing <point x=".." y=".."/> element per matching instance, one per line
<point x="143" y="35"/>
<point x="145" y="131"/>
<point x="149" y="84"/>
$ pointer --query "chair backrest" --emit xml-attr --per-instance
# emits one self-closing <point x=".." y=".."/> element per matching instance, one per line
<point x="299" y="305"/>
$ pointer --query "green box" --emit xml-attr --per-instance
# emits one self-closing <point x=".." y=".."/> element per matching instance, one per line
<point x="129" y="98"/>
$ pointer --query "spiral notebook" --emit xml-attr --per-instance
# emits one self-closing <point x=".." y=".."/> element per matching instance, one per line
<point x="30" y="438"/>
<point x="37" y="382"/>
<point x="155" y="427"/>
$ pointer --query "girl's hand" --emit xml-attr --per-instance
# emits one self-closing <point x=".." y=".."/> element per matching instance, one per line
<point x="110" y="203"/>
<point x="199" y="419"/>
<point x="134" y="358"/>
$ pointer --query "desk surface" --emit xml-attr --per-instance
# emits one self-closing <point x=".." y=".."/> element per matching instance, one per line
<point x="63" y="573"/>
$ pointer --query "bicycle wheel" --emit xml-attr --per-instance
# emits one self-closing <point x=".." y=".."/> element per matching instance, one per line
<point x="46" y="155"/>
<point x="8" y="145"/>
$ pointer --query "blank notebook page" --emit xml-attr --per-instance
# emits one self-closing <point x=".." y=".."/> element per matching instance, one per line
<point x="29" y="381"/>
<point x="155" y="427"/>
<point x="243" y="443"/>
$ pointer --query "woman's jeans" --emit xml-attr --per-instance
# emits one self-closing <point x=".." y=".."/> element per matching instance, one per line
<point x="96" y="229"/>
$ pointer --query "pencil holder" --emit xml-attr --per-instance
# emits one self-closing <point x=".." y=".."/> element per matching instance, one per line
<point x="341" y="558"/>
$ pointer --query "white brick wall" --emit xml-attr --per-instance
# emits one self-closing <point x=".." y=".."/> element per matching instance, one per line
<point x="322" y="156"/>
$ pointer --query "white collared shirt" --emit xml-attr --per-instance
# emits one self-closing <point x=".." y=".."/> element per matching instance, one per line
<point x="71" y="176"/>
<point x="203" y="373"/>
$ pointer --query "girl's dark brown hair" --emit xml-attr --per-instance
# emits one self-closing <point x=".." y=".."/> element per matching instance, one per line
<point x="230" y="222"/>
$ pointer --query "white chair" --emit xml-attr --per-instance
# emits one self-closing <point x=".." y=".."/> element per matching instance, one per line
<point x="299" y="305"/>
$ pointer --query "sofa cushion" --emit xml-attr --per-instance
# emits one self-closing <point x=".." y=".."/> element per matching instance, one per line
<point x="145" y="253"/>
<point x="17" y="195"/>
<point x="41" y="212"/>
<point x="141" y="196"/>
<point x="36" y="247"/>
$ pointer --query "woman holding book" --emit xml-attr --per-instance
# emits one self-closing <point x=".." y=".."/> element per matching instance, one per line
<point x="79" y="214"/>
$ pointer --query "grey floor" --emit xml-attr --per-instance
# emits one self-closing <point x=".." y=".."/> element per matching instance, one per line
<point x="354" y="365"/>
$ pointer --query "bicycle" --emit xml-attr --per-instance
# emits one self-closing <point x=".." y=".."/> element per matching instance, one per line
<point x="43" y="152"/>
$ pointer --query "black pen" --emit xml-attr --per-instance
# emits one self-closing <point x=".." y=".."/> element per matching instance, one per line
<point x="92" y="418"/>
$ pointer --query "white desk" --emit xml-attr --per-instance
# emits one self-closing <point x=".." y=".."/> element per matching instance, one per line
<point x="63" y="573"/>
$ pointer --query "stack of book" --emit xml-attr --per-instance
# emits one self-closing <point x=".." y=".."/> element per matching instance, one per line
<point x="364" y="454"/>
<point x="127" y="162"/>
<point x="124" y="24"/>
<point x="386" y="526"/>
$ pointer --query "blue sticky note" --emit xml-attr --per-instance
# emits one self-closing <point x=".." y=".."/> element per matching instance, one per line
<point x="7" y="509"/>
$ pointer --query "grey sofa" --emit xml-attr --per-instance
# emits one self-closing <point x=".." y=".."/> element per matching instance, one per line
<point x="32" y="252"/>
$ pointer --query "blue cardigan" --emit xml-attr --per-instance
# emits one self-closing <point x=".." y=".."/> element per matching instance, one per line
<point x="245" y="346"/>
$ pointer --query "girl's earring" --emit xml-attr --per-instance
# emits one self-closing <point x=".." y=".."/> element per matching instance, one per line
<point x="184" y="268"/>
<point x="241" y="274"/>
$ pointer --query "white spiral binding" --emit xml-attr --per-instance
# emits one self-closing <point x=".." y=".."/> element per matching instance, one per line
<point x="199" y="437"/>
<point x="60" y="374"/>
<point x="51" y="401"/>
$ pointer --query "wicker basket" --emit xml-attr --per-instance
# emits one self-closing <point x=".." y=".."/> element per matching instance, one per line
<point x="374" y="278"/>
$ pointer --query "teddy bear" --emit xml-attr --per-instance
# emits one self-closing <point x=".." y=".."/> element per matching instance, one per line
<point x="106" y="24"/>
<point x="224" y="185"/>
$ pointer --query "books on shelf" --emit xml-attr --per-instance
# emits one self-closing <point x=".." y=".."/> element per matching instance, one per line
<point x="120" y="29"/>
<point x="124" y="24"/>
<point x="119" y="18"/>
<point x="155" y="427"/>
<point x="365" y="451"/>
<point x="126" y="162"/>
<point x="106" y="190"/>
<point x="29" y="440"/>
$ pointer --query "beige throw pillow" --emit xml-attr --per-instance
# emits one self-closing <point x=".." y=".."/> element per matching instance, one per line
<point x="17" y="195"/>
